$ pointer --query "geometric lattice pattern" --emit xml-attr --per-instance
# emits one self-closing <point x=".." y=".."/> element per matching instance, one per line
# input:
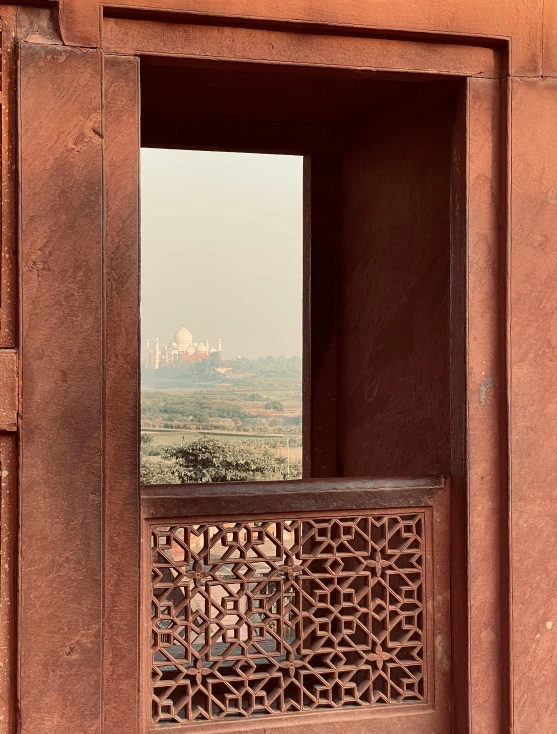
<point x="272" y="616"/>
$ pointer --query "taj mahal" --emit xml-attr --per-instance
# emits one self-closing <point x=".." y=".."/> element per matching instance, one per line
<point x="182" y="348"/>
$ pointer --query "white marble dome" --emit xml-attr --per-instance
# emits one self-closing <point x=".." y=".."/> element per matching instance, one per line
<point x="182" y="337"/>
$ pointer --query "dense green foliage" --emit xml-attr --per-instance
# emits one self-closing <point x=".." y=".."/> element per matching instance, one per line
<point x="209" y="460"/>
<point x="156" y="472"/>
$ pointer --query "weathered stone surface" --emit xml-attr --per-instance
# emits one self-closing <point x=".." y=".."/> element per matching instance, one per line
<point x="533" y="405"/>
<point x="62" y="390"/>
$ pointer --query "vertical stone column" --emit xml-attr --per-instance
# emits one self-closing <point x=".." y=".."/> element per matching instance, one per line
<point x="61" y="228"/>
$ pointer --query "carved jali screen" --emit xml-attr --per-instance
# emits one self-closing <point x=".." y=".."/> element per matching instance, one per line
<point x="272" y="616"/>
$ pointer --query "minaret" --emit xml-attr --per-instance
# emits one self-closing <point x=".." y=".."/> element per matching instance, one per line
<point x="147" y="354"/>
<point x="220" y="348"/>
<point x="157" y="353"/>
<point x="207" y="346"/>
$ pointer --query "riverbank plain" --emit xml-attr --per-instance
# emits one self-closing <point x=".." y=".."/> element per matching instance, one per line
<point x="253" y="404"/>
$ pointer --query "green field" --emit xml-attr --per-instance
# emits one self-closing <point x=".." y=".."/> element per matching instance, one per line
<point x="171" y="437"/>
<point x="253" y="404"/>
<point x="261" y="398"/>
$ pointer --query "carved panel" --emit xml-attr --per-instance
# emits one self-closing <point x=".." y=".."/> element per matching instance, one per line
<point x="271" y="616"/>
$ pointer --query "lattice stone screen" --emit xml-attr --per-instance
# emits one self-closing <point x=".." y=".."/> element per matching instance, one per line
<point x="264" y="617"/>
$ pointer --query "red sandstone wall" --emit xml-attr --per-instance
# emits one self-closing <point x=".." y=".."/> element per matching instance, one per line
<point x="529" y="338"/>
<point x="393" y="320"/>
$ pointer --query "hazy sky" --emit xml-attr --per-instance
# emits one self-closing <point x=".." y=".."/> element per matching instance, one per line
<point x="222" y="249"/>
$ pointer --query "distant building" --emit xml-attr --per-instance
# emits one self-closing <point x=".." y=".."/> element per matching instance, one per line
<point x="182" y="348"/>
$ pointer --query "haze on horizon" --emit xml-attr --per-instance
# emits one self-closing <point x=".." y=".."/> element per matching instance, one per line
<point x="221" y="249"/>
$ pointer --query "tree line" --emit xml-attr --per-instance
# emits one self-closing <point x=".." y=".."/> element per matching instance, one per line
<point x="209" y="460"/>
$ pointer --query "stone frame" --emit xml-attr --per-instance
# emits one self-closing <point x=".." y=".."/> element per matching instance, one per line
<point x="97" y="161"/>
